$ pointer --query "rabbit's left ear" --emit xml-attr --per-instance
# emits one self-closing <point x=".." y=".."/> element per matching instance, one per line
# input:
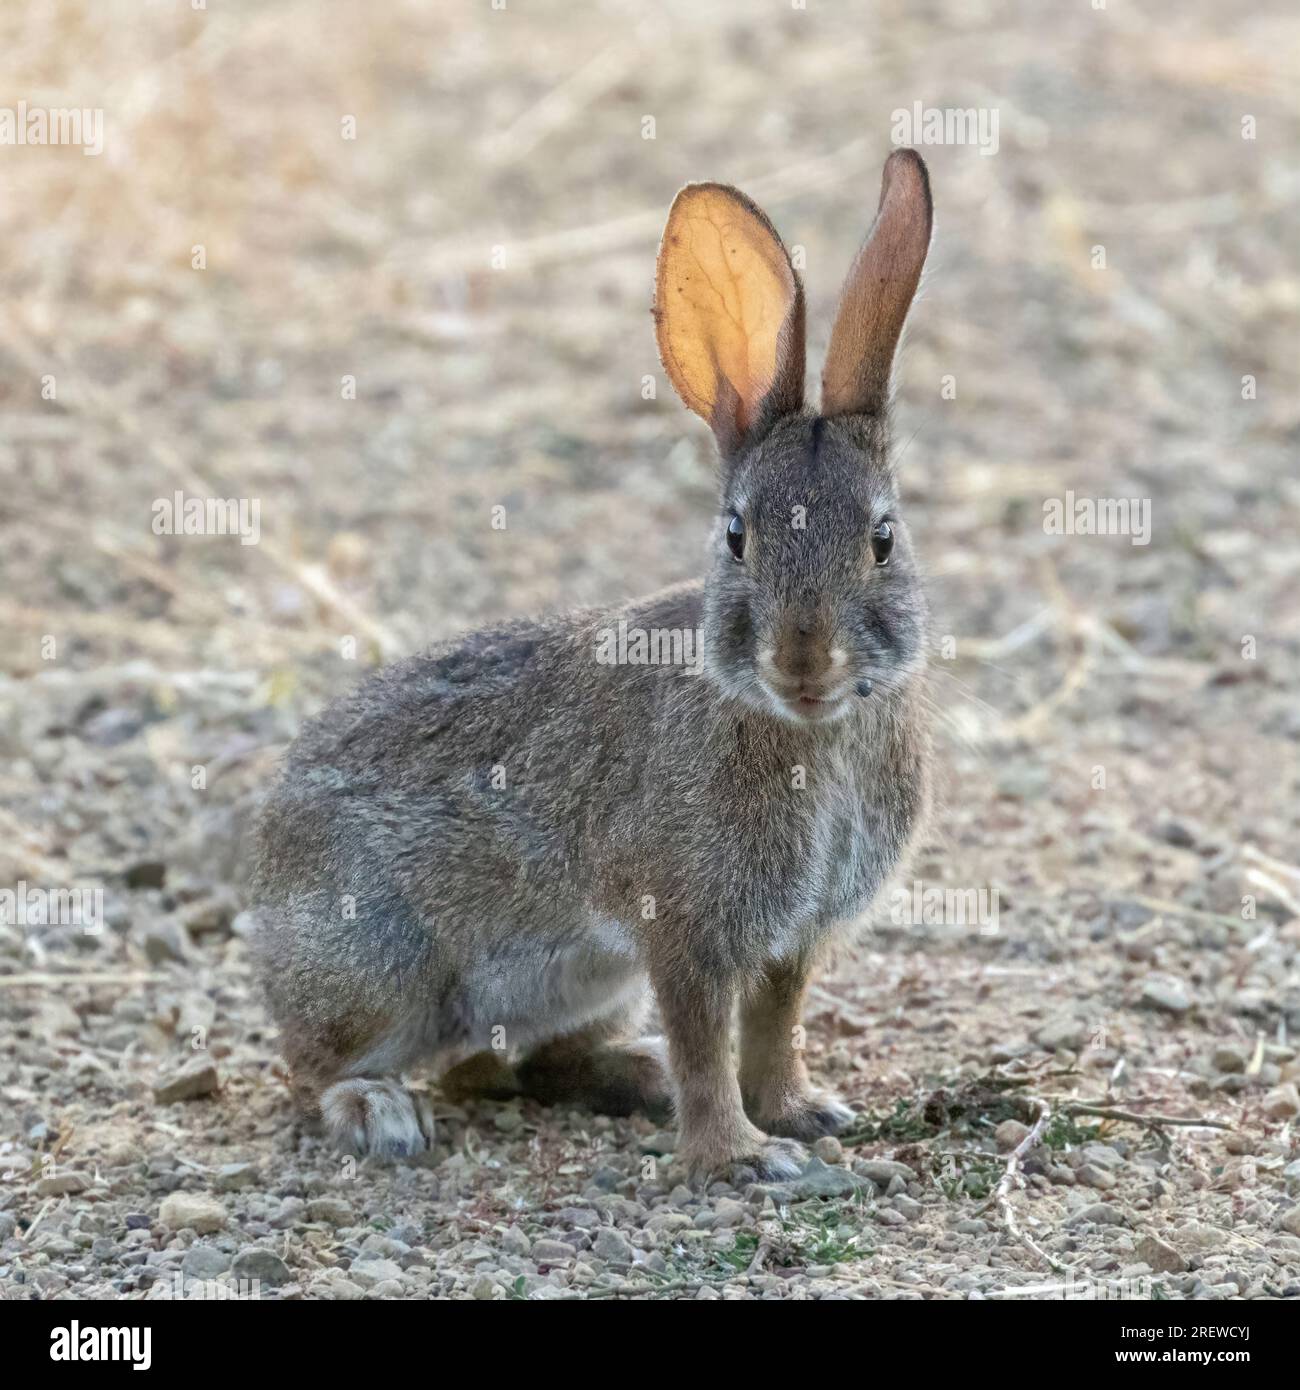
<point x="729" y="313"/>
<point x="878" y="292"/>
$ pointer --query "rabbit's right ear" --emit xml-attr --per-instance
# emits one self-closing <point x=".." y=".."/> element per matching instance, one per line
<point x="729" y="313"/>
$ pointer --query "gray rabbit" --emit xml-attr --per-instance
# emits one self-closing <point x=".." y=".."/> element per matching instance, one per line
<point x="495" y="846"/>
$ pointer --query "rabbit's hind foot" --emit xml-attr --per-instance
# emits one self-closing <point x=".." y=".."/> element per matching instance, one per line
<point x="611" y="1078"/>
<point x="376" y="1116"/>
<point x="482" y="1076"/>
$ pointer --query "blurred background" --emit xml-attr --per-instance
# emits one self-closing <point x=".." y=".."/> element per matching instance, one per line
<point x="383" y="268"/>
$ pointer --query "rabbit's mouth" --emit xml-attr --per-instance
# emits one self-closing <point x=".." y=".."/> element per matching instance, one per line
<point x="804" y="707"/>
<point x="816" y="709"/>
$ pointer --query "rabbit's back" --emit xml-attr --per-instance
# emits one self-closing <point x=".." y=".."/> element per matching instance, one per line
<point x="491" y="756"/>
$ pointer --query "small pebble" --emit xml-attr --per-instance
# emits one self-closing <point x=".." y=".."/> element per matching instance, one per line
<point x="829" y="1149"/>
<point x="1009" y="1135"/>
<point x="196" y="1079"/>
<point x="195" y="1211"/>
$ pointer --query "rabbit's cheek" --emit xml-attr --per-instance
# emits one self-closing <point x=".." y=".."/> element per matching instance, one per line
<point x="890" y="633"/>
<point x="738" y="626"/>
<point x="881" y="633"/>
<point x="729" y="637"/>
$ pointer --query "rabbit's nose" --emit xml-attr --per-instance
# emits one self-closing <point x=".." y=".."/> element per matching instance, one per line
<point x="803" y="654"/>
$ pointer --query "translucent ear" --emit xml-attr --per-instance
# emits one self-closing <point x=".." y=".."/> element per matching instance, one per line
<point x="729" y="312"/>
<point x="879" y="291"/>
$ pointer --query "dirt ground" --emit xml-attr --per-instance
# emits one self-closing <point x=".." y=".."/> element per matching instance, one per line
<point x="456" y="209"/>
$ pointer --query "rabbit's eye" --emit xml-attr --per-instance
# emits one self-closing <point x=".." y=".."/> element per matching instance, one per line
<point x="882" y="542"/>
<point x="736" y="537"/>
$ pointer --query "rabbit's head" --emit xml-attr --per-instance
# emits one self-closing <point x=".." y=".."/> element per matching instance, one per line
<point x="813" y="601"/>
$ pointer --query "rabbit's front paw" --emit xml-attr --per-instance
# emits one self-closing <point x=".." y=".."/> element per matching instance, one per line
<point x="382" y="1118"/>
<point x="778" y="1160"/>
<point x="770" y="1160"/>
<point x="809" y="1118"/>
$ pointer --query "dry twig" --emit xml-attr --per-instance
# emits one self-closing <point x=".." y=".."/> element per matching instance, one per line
<point x="1149" y="1121"/>
<point x="1012" y="1178"/>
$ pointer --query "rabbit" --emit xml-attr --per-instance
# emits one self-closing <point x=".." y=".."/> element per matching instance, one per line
<point x="499" y="848"/>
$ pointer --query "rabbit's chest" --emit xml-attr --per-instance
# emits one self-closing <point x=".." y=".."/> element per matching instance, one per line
<point x="842" y="861"/>
<point x="829" y="853"/>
